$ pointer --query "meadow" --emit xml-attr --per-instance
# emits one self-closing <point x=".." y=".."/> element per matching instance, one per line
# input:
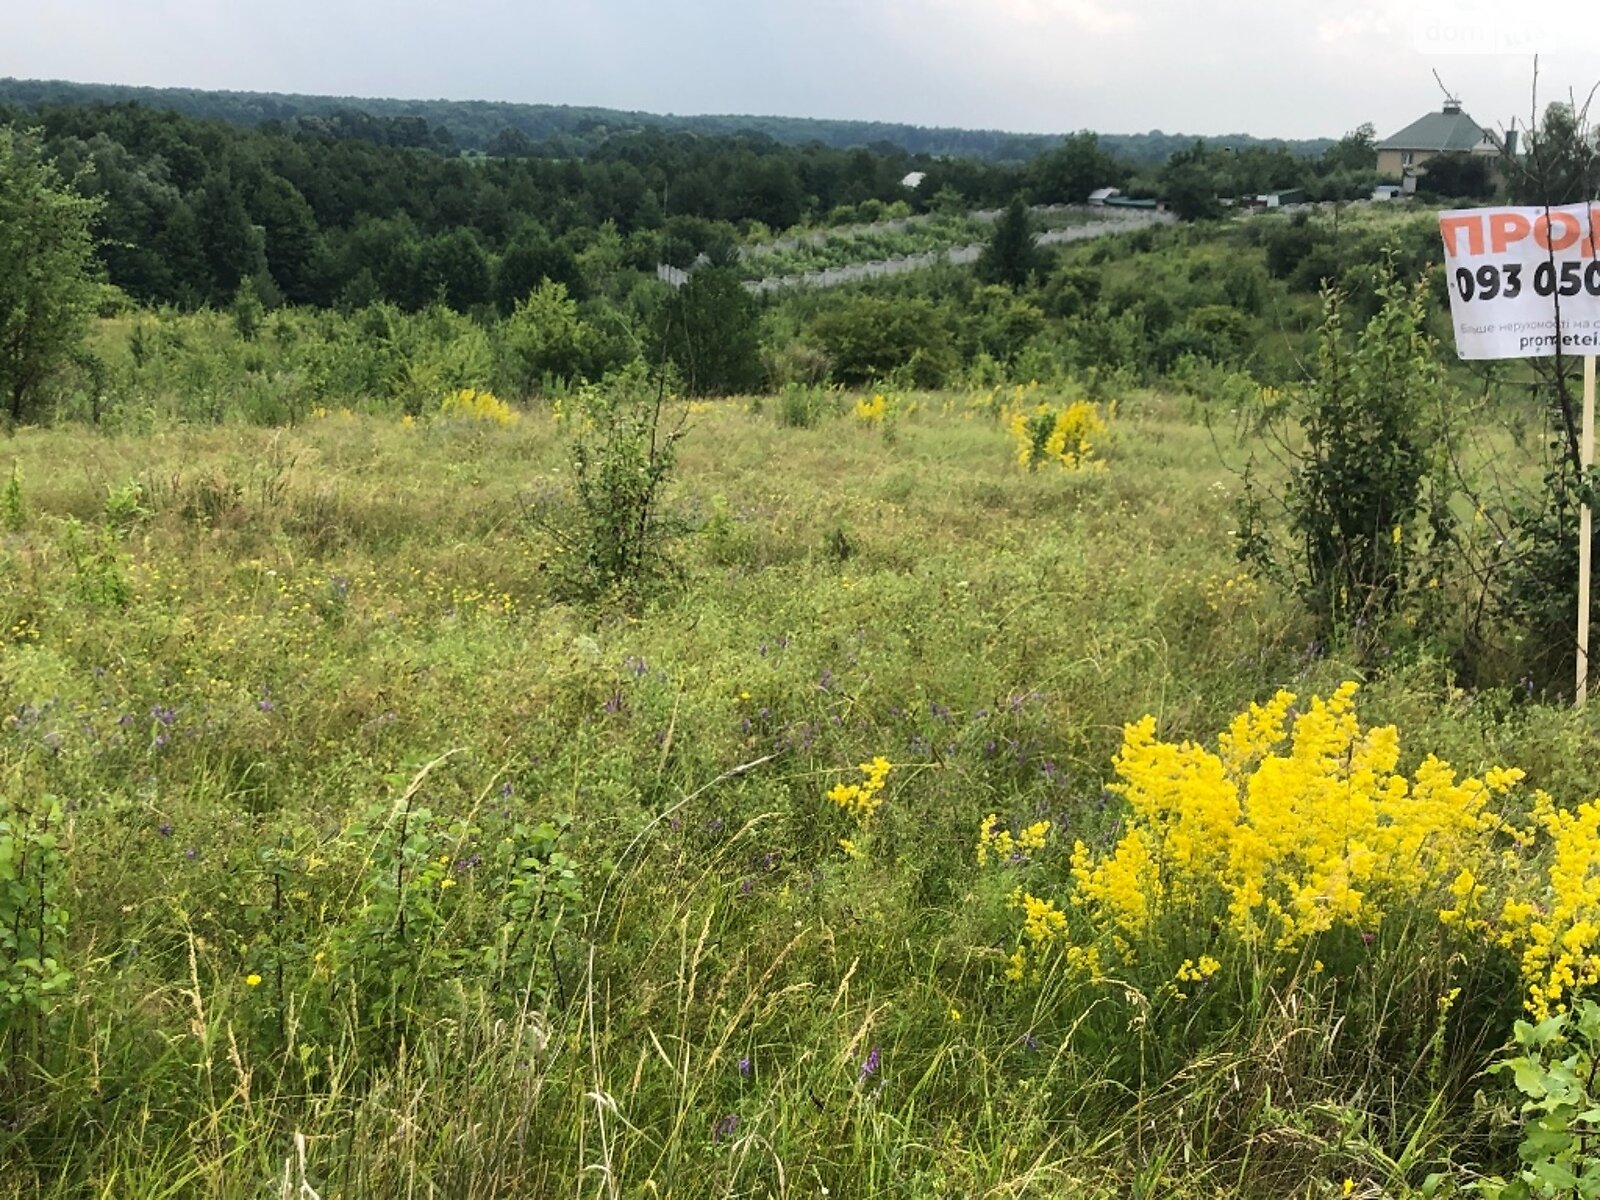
<point x="350" y="855"/>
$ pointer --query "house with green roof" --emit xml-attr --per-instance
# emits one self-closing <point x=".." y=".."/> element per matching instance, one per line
<point x="1449" y="131"/>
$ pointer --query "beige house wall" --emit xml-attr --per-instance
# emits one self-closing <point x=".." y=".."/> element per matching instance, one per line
<point x="1389" y="162"/>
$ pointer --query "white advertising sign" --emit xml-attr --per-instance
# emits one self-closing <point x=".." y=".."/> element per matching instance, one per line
<point x="1524" y="281"/>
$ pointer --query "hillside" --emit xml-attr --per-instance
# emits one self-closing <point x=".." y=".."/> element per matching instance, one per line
<point x="498" y="126"/>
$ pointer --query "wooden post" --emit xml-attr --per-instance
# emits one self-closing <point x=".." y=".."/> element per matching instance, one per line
<point x="1585" y="534"/>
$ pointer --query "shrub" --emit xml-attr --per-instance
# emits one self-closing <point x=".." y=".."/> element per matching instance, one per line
<point x="1293" y="857"/>
<point x="869" y="338"/>
<point x="1367" y="501"/>
<point x="801" y="407"/>
<point x="543" y="341"/>
<point x="1064" y="434"/>
<point x="1556" y="1072"/>
<point x="478" y="407"/>
<point x="622" y="458"/>
<point x="710" y="333"/>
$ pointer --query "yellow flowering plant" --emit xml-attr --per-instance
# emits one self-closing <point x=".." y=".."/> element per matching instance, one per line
<point x="862" y="801"/>
<point x="874" y="411"/>
<point x="479" y="406"/>
<point x="1066" y="435"/>
<point x="1297" y="827"/>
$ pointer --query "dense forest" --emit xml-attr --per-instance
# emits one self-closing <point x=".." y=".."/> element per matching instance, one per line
<point x="500" y="128"/>
<point x="355" y="208"/>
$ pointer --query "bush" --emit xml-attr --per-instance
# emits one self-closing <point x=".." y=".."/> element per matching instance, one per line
<point x="1292" y="863"/>
<point x="870" y="338"/>
<point x="1367" y="501"/>
<point x="542" y="342"/>
<point x="1064" y="434"/>
<point x="710" y="333"/>
<point x="622" y="458"/>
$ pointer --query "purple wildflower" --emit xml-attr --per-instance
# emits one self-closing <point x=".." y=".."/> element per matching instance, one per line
<point x="725" y="1127"/>
<point x="164" y="829"/>
<point x="744" y="1066"/>
<point x="874" y="1059"/>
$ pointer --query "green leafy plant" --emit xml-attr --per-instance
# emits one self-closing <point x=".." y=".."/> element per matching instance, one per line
<point x="33" y="918"/>
<point x="1366" y="508"/>
<point x="13" y="512"/>
<point x="622" y="459"/>
<point x="125" y="506"/>
<point x="1560" y="1147"/>
<point x="801" y="407"/>
<point x="100" y="565"/>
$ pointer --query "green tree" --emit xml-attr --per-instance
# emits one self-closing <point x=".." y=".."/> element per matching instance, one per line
<point x="543" y="339"/>
<point x="1067" y="174"/>
<point x="1001" y="323"/>
<point x="453" y="266"/>
<point x="1457" y="175"/>
<point x="710" y="332"/>
<point x="1011" y="257"/>
<point x="293" y="242"/>
<point x="1539" y="586"/>
<point x="233" y="247"/>
<point x="869" y="338"/>
<point x="1561" y="161"/>
<point x="1355" y="151"/>
<point x="46" y="286"/>
<point x="531" y="259"/>
<point x="1189" y="182"/>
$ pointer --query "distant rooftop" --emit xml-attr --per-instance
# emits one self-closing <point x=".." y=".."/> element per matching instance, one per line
<point x="1447" y="130"/>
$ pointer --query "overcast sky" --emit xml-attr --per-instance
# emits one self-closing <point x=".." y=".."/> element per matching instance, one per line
<point x="1285" y="68"/>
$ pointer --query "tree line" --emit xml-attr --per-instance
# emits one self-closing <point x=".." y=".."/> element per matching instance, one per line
<point x="355" y="209"/>
<point x="496" y="127"/>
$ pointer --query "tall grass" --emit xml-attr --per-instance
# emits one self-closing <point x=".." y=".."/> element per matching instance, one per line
<point x="298" y="688"/>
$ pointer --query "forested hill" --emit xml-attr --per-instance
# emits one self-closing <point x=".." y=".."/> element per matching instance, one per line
<point x="556" y="130"/>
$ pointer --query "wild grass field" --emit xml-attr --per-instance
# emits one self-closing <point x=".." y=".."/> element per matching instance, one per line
<point x="349" y="859"/>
